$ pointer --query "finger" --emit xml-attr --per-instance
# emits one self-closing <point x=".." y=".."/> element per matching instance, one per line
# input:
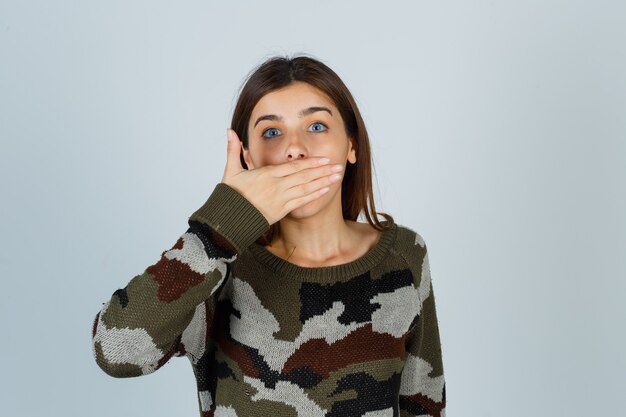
<point x="306" y="189"/>
<point x="300" y="201"/>
<point x="310" y="175"/>
<point x="290" y="167"/>
<point x="233" y="163"/>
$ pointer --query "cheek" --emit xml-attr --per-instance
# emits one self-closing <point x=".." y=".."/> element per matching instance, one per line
<point x="330" y="146"/>
<point x="272" y="159"/>
<point x="336" y="154"/>
<point x="261" y="156"/>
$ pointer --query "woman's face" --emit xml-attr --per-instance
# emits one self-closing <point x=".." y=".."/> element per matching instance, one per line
<point x="297" y="121"/>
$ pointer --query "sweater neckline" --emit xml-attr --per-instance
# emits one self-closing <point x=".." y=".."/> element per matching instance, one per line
<point x="332" y="272"/>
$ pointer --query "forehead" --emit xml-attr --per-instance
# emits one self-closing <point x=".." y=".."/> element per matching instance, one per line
<point x="291" y="99"/>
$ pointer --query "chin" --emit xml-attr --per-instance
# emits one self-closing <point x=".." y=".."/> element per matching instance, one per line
<point x="309" y="209"/>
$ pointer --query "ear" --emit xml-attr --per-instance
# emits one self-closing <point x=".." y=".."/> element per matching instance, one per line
<point x="351" y="152"/>
<point x="246" y="158"/>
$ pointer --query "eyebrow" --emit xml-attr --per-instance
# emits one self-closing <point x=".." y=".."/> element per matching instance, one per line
<point x="303" y="113"/>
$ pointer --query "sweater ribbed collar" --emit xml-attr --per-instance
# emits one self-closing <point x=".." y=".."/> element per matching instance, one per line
<point x="328" y="273"/>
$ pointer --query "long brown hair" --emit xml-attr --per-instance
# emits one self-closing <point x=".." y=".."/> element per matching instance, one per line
<point x="278" y="72"/>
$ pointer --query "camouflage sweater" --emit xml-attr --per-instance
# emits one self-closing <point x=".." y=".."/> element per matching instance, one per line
<point x="266" y="337"/>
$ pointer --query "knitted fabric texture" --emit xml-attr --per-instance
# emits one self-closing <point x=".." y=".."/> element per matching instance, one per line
<point x="266" y="337"/>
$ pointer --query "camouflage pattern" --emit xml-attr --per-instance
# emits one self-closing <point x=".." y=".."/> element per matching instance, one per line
<point x="270" y="338"/>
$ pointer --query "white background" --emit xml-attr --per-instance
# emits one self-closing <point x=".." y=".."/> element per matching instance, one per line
<point x="498" y="131"/>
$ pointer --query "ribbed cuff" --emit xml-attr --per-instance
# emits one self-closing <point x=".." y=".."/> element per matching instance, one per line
<point x="230" y="214"/>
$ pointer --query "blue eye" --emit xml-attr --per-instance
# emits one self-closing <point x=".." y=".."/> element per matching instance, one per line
<point x="317" y="127"/>
<point x="268" y="130"/>
<point x="320" y="124"/>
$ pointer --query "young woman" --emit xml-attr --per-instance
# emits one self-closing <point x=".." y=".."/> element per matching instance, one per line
<point x="283" y="302"/>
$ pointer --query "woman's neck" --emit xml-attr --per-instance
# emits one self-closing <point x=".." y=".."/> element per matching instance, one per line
<point x="323" y="244"/>
<point x="311" y="239"/>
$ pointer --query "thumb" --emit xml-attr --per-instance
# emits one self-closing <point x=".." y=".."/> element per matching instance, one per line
<point x="233" y="163"/>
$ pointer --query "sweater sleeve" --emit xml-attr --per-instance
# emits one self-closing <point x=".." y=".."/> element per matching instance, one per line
<point x="140" y="327"/>
<point x="422" y="386"/>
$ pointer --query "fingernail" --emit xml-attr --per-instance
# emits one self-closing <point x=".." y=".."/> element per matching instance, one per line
<point x="323" y="160"/>
<point x="228" y="135"/>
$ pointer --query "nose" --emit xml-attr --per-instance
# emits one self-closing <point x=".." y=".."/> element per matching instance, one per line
<point x="295" y="148"/>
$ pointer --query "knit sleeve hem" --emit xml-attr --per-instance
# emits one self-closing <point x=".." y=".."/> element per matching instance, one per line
<point x="234" y="217"/>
